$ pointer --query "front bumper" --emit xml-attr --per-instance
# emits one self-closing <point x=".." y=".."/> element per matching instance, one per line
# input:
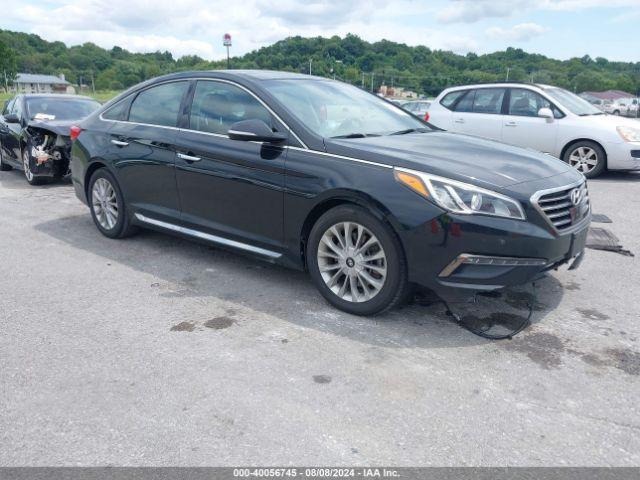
<point x="623" y="156"/>
<point x="481" y="253"/>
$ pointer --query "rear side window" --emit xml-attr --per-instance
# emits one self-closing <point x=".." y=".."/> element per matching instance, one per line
<point x="216" y="106"/>
<point x="158" y="105"/>
<point x="8" y="106"/>
<point x="465" y="104"/>
<point x="119" y="110"/>
<point x="488" y="100"/>
<point x="450" y="98"/>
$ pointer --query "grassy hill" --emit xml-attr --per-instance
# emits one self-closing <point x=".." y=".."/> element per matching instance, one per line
<point x="350" y="59"/>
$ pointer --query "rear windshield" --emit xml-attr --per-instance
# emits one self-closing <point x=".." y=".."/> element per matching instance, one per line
<point x="53" y="108"/>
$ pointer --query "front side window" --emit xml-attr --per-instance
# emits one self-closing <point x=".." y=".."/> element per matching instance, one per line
<point x="334" y="109"/>
<point x="217" y="105"/>
<point x="488" y="100"/>
<point x="17" y="107"/>
<point x="527" y="103"/>
<point x="158" y="105"/>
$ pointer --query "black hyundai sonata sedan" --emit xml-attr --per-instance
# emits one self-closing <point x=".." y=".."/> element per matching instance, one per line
<point x="319" y="175"/>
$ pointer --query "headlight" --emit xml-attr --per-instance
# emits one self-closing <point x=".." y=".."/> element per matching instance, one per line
<point x="458" y="197"/>
<point x="629" y="134"/>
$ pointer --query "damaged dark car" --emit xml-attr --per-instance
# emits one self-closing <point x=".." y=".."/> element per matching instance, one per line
<point x="35" y="134"/>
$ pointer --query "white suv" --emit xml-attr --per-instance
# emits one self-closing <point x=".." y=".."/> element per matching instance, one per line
<point x="544" y="118"/>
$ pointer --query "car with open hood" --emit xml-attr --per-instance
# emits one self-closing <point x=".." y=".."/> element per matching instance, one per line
<point x="318" y="175"/>
<point x="35" y="135"/>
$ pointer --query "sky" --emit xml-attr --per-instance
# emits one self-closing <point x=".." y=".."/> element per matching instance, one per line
<point x="556" y="28"/>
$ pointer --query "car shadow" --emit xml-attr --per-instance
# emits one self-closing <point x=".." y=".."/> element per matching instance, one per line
<point x="617" y="176"/>
<point x="15" y="180"/>
<point x="185" y="269"/>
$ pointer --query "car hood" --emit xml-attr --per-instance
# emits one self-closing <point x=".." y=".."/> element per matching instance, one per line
<point x="611" y="121"/>
<point x="461" y="157"/>
<point x="59" y="127"/>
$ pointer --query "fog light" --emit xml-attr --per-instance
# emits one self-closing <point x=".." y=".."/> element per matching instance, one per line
<point x="468" y="259"/>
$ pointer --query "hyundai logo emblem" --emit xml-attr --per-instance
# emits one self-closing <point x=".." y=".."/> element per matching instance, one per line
<point x="576" y="196"/>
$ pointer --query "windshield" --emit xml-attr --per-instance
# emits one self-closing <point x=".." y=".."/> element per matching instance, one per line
<point x="572" y="102"/>
<point x="333" y="109"/>
<point x="50" y="108"/>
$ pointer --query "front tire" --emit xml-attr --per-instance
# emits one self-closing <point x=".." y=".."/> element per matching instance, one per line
<point x="26" y="168"/>
<point x="586" y="157"/>
<point x="356" y="261"/>
<point x="107" y="205"/>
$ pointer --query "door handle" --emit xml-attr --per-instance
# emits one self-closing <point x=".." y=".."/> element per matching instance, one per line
<point x="189" y="158"/>
<point x="459" y="120"/>
<point x="511" y="124"/>
<point x="119" y="143"/>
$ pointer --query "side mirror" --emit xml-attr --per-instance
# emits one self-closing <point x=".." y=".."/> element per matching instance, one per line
<point x="254" y="131"/>
<point x="11" y="118"/>
<point x="546" y="113"/>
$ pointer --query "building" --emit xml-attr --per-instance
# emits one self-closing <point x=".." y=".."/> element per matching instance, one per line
<point x="396" y="92"/>
<point x="33" y="83"/>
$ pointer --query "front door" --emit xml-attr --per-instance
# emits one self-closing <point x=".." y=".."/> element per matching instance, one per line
<point x="522" y="125"/>
<point x="230" y="188"/>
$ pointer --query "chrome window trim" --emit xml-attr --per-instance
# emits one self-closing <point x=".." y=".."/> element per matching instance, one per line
<point x="206" y="236"/>
<point x="578" y="226"/>
<point x="221" y="80"/>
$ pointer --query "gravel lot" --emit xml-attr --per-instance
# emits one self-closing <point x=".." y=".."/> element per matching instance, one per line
<point x="158" y="351"/>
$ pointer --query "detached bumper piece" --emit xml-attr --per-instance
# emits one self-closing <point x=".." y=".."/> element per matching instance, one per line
<point x="488" y="272"/>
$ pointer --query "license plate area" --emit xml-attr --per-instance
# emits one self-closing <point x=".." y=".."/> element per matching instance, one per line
<point x="578" y="242"/>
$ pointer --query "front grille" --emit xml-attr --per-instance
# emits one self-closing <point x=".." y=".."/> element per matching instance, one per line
<point x="560" y="210"/>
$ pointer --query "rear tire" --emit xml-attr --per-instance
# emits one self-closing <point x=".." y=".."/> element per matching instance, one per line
<point x="107" y="205"/>
<point x="586" y="157"/>
<point x="356" y="261"/>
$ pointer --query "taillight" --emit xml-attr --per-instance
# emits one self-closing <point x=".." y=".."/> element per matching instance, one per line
<point x="426" y="117"/>
<point x="75" y="132"/>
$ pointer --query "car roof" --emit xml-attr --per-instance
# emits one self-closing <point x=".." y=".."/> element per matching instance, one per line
<point x="500" y="85"/>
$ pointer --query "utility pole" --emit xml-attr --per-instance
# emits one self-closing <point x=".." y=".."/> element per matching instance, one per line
<point x="508" y="69"/>
<point x="372" y="75"/>
<point x="363" y="80"/>
<point x="310" y="61"/>
<point x="93" y="84"/>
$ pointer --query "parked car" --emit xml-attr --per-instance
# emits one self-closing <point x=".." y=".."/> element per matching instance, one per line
<point x="319" y="175"/>
<point x="420" y="108"/>
<point x="34" y="133"/>
<point x="544" y="118"/>
<point x="625" y="107"/>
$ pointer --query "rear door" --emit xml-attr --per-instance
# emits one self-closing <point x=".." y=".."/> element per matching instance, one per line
<point x="230" y="188"/>
<point x="143" y="153"/>
<point x="522" y="125"/>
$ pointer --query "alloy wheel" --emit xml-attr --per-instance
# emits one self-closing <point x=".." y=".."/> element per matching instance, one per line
<point x="27" y="166"/>
<point x="352" y="262"/>
<point x="104" y="203"/>
<point x="583" y="159"/>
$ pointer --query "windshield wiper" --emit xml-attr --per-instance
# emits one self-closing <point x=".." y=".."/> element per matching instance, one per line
<point x="357" y="135"/>
<point x="409" y="130"/>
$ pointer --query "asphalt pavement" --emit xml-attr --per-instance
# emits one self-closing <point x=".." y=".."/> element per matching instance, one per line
<point x="158" y="351"/>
